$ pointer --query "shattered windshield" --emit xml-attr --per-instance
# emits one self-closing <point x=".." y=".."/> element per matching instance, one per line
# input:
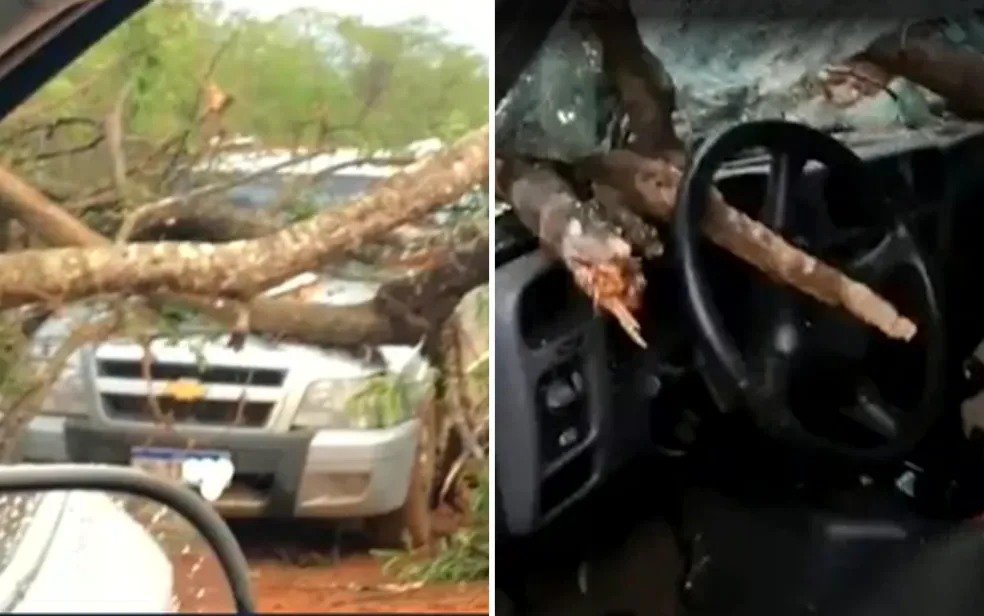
<point x="801" y="64"/>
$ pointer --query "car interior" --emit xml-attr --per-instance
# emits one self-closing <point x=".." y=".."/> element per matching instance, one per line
<point x="765" y="454"/>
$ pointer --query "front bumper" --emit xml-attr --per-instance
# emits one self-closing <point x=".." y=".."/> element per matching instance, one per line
<point x="323" y="473"/>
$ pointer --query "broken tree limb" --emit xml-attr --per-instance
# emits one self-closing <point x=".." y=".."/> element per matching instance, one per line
<point x="411" y="309"/>
<point x="646" y="177"/>
<point x="649" y="186"/>
<point x="955" y="74"/>
<point x="645" y="87"/>
<point x="194" y="220"/>
<point x="404" y="311"/>
<point x="243" y="269"/>
<point x="599" y="259"/>
<point x="638" y="232"/>
<point x="42" y="216"/>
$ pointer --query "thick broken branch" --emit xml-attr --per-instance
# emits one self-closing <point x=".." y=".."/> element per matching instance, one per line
<point x="411" y="308"/>
<point x="646" y="179"/>
<point x="242" y="269"/>
<point x="53" y="224"/>
<point x="590" y="248"/>
<point x="645" y="88"/>
<point x="650" y="185"/>
<point x="955" y="74"/>
<point x="18" y="413"/>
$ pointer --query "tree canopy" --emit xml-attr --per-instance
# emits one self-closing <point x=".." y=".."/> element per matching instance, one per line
<point x="294" y="78"/>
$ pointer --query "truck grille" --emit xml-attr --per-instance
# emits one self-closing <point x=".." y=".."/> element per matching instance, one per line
<point x="162" y="371"/>
<point x="203" y="412"/>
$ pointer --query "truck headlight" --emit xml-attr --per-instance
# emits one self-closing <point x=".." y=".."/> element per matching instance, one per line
<point x="68" y="395"/>
<point x="360" y="404"/>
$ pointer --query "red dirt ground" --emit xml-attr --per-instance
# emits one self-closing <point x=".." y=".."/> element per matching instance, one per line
<point x="292" y="571"/>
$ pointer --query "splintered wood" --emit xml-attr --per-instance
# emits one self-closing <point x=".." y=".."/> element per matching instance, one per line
<point x="600" y="261"/>
<point x="649" y="186"/>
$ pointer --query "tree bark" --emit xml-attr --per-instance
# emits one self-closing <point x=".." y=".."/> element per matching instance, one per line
<point x="195" y="221"/>
<point x="645" y="87"/>
<point x="649" y="186"/>
<point x="955" y="74"/>
<point x="590" y="247"/>
<point x="39" y="214"/>
<point x="239" y="269"/>
<point x="404" y="311"/>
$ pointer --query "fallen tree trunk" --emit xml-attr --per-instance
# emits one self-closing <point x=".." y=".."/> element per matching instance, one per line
<point x="403" y="312"/>
<point x="600" y="260"/>
<point x="197" y="221"/>
<point x="411" y="309"/>
<point x="241" y="269"/>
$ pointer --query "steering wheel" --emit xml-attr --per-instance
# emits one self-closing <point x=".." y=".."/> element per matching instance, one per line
<point x="810" y="374"/>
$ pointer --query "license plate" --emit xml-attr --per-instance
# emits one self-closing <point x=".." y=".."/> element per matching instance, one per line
<point x="210" y="471"/>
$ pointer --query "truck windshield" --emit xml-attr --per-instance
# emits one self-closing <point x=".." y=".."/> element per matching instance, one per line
<point x="793" y="64"/>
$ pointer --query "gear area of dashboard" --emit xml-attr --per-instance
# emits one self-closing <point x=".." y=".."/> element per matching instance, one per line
<point x="561" y="369"/>
<point x="551" y="394"/>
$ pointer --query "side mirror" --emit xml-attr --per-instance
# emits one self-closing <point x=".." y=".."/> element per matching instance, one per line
<point x="107" y="539"/>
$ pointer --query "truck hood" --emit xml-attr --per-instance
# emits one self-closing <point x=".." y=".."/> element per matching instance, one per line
<point x="38" y="38"/>
<point x="257" y="352"/>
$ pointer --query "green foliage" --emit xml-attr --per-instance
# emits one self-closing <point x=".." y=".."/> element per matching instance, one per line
<point x="380" y="403"/>
<point x="477" y="374"/>
<point x="463" y="557"/>
<point x="15" y="372"/>
<point x="291" y="77"/>
<point x="301" y="208"/>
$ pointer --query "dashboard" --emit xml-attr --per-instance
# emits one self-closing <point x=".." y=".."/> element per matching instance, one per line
<point x="575" y="401"/>
<point x="569" y="397"/>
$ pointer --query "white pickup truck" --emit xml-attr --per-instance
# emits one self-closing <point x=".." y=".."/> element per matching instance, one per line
<point x="263" y="431"/>
<point x="267" y="430"/>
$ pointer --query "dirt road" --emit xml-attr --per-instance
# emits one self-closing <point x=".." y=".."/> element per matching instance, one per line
<point x="294" y="570"/>
<point x="354" y="585"/>
<point x="296" y="567"/>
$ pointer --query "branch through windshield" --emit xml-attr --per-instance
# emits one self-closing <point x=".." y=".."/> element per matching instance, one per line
<point x="815" y="64"/>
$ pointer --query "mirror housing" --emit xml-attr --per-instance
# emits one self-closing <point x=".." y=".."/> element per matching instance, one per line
<point x="128" y="481"/>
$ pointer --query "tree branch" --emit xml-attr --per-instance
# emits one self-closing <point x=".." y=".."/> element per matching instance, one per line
<point x="955" y="74"/>
<point x="238" y="269"/>
<point x="649" y="186"/>
<point x="646" y="177"/>
<point x="589" y="247"/>
<point x="21" y="411"/>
